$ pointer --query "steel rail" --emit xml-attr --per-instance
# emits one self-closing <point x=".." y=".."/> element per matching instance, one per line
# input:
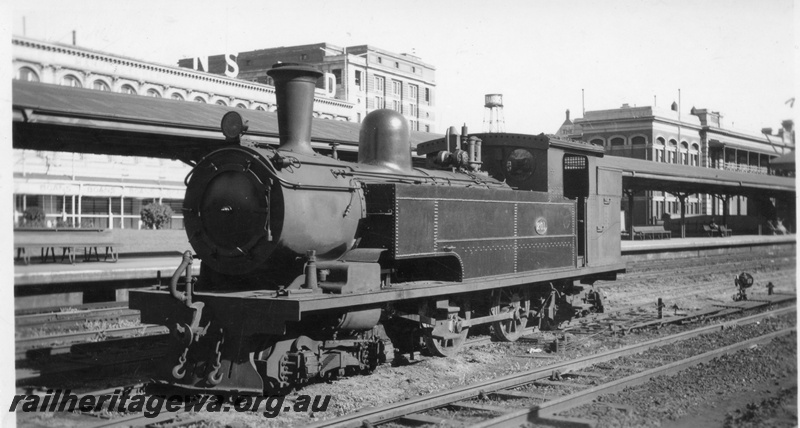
<point x="32" y="343"/>
<point x="548" y="409"/>
<point x="442" y="398"/>
<point x="70" y="319"/>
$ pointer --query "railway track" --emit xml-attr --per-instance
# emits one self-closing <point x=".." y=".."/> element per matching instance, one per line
<point x="74" y="319"/>
<point x="497" y="402"/>
<point x="552" y="389"/>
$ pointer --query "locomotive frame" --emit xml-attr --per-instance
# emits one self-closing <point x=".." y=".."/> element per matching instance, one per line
<point x="316" y="268"/>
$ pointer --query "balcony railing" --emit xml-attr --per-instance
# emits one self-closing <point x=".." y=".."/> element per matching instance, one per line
<point x="750" y="169"/>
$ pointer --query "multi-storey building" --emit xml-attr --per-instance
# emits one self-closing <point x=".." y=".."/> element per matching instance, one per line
<point x="367" y="77"/>
<point x="108" y="191"/>
<point x="699" y="138"/>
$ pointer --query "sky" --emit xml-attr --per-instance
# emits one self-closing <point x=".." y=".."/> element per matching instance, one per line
<point x="732" y="56"/>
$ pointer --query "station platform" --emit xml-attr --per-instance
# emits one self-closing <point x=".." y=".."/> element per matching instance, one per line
<point x="699" y="245"/>
<point x="143" y="268"/>
<point x="127" y="268"/>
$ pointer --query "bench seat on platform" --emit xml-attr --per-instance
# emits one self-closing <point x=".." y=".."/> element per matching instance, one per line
<point x="645" y="232"/>
<point x="26" y="241"/>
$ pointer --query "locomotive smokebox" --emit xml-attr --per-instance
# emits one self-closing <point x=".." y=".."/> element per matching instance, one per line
<point x="294" y="93"/>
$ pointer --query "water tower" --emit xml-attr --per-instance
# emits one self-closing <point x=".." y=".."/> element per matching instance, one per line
<point x="494" y="111"/>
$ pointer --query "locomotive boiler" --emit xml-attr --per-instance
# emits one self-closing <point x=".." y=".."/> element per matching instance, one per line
<point x="313" y="267"/>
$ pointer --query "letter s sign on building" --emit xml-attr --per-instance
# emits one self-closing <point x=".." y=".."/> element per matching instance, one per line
<point x="231" y="67"/>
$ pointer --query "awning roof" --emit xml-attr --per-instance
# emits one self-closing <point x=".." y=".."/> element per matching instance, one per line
<point x="786" y="160"/>
<point x="640" y="174"/>
<point x="92" y="121"/>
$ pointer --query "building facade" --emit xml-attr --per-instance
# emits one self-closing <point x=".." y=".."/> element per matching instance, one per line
<point x="699" y="138"/>
<point x="102" y="191"/>
<point x="367" y="77"/>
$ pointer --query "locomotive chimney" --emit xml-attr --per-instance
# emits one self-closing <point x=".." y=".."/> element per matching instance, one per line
<point x="294" y="92"/>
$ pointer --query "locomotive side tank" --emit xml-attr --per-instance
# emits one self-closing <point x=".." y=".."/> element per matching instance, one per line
<point x="314" y="268"/>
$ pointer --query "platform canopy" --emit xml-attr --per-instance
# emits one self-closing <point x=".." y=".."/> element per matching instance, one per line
<point x="60" y="118"/>
<point x="784" y="161"/>
<point x="638" y="175"/>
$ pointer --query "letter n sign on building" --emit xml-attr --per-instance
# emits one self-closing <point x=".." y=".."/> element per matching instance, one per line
<point x="231" y="68"/>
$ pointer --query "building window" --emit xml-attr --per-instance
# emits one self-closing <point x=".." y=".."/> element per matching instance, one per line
<point x="358" y="78"/>
<point x="638" y="141"/>
<point x="396" y="64"/>
<point x="221" y="103"/>
<point x="414" y="125"/>
<point x="428" y="95"/>
<point x="413" y="92"/>
<point x="397" y="88"/>
<point x="380" y="60"/>
<point x="70" y="80"/>
<point x="242" y="106"/>
<point x="199" y="100"/>
<point x="413" y="69"/>
<point x="100" y="85"/>
<point x="380" y="85"/>
<point x="660" y="140"/>
<point x="176" y="96"/>
<point x="27" y="74"/>
<point x="413" y="111"/>
<point x="397" y="105"/>
<point x="379" y="102"/>
<point x="597" y="142"/>
<point x="337" y="74"/>
<point x="303" y="57"/>
<point x="127" y="89"/>
<point x="153" y="93"/>
<point x="660" y="155"/>
<point x="358" y="117"/>
<point x="618" y="141"/>
<point x="427" y="128"/>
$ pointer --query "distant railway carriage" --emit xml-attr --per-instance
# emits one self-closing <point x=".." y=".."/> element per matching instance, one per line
<point x="314" y="267"/>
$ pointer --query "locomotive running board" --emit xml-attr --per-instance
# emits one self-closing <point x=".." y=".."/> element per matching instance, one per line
<point x="271" y="313"/>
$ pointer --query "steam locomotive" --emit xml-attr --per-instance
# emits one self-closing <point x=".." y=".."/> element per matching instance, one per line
<point x="313" y="267"/>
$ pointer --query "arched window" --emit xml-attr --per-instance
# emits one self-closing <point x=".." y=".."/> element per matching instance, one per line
<point x="100" y="85"/>
<point x="261" y="108"/>
<point x="127" y="89"/>
<point x="660" y="140"/>
<point x="617" y="141"/>
<point x="597" y="142"/>
<point x="221" y="103"/>
<point x="70" y="80"/>
<point x="240" y="105"/>
<point x="673" y="143"/>
<point x="176" y="96"/>
<point x="153" y="93"/>
<point x="27" y="74"/>
<point x="638" y="141"/>
<point x="684" y="145"/>
<point x="199" y="100"/>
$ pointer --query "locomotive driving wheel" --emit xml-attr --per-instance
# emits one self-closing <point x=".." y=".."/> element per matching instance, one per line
<point x="510" y="300"/>
<point x="447" y="336"/>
